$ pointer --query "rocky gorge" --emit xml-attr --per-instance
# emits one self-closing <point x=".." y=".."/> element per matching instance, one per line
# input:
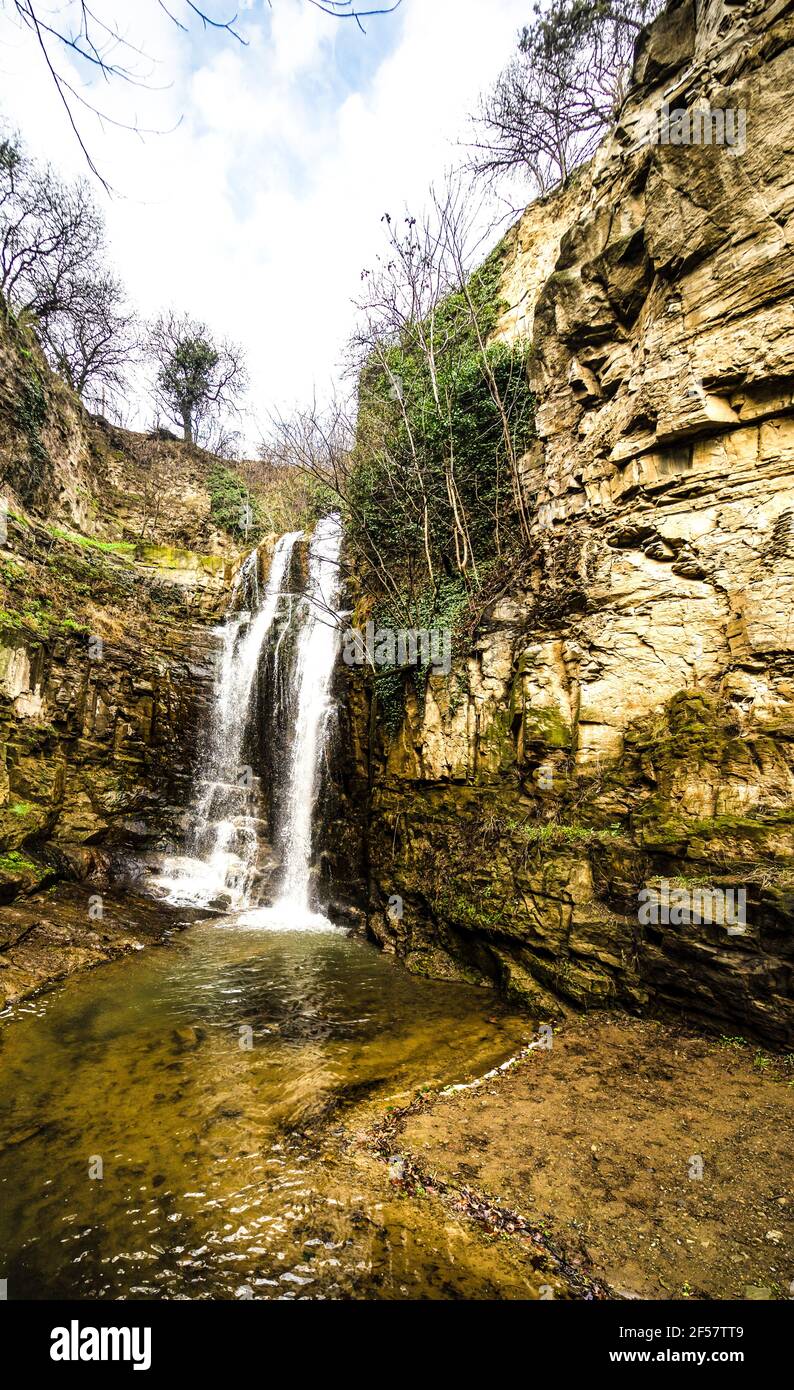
<point x="623" y="718"/>
<point x="550" y="836"/>
<point x="106" y="661"/>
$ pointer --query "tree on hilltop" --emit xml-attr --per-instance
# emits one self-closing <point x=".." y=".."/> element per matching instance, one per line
<point x="197" y="376"/>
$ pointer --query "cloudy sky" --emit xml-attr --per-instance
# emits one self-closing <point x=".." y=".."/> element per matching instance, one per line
<point x="263" y="203"/>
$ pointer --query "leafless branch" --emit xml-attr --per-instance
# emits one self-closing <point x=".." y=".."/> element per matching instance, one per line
<point x="552" y="103"/>
<point x="94" y="40"/>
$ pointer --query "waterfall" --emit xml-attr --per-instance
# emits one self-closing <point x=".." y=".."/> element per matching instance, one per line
<point x="222" y="864"/>
<point x="220" y="867"/>
<point x="319" y="620"/>
<point x="245" y="637"/>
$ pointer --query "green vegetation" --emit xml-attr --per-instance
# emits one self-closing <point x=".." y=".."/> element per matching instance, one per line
<point x="9" y="621"/>
<point x="780" y="1064"/>
<point x="15" y="863"/>
<point x="232" y="506"/>
<point x="389" y="688"/>
<point x="693" y="728"/>
<point x="315" y="500"/>
<point x="763" y="821"/>
<point x="434" y="511"/>
<point x="65" y="576"/>
<point x="440" y="416"/>
<point x="11" y="573"/>
<point x="552" y="833"/>
<point x="31" y="416"/>
<point x="33" y="615"/>
<point x="546" y="726"/>
<point x="442" y="608"/>
<point x="477" y="911"/>
<point x="93" y="543"/>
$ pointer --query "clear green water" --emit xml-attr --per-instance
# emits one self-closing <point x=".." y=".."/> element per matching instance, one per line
<point x="224" y="1173"/>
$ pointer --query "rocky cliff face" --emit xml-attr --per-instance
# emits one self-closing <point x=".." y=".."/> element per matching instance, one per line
<point x="111" y="578"/>
<point x="566" y="815"/>
<point x="625" y="718"/>
<point x="98" y="724"/>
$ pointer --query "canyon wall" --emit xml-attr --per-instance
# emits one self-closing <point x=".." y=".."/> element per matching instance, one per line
<point x="111" y="577"/>
<point x="626" y="715"/>
<point x="621" y="728"/>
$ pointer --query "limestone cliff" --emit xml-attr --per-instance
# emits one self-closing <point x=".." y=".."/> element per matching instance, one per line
<point x="626" y="714"/>
<point x="111" y="575"/>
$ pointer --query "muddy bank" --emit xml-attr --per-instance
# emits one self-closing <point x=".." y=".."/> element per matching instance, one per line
<point x="648" y="1162"/>
<point x="54" y="933"/>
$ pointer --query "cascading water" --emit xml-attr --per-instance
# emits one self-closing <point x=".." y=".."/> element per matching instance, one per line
<point x="318" y="619"/>
<point x="221" y="866"/>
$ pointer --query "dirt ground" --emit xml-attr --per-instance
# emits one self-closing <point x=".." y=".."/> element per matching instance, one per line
<point x="600" y="1143"/>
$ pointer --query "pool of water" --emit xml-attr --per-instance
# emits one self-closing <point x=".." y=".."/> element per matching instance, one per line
<point x="170" y="1124"/>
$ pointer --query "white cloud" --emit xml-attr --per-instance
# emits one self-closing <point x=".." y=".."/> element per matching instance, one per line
<point x="260" y="209"/>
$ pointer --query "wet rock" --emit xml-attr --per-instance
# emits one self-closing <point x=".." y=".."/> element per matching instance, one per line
<point x="21" y="1136"/>
<point x="188" y="1038"/>
<point x="396" y="1168"/>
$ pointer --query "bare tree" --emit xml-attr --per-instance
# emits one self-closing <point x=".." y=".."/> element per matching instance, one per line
<point x="317" y="443"/>
<point x="96" y="342"/>
<point x="197" y="377"/>
<point x="51" y="232"/>
<point x="552" y="103"/>
<point x="315" y="440"/>
<point x="223" y="440"/>
<point x="53" y="269"/>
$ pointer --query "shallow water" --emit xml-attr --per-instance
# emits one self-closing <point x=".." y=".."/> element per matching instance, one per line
<point x="207" y="1082"/>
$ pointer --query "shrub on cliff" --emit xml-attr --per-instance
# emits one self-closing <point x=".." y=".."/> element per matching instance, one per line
<point x="445" y="415"/>
<point x="232" y="507"/>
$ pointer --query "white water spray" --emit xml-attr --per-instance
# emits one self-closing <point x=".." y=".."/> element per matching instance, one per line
<point x="314" y="664"/>
<point x="222" y="869"/>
